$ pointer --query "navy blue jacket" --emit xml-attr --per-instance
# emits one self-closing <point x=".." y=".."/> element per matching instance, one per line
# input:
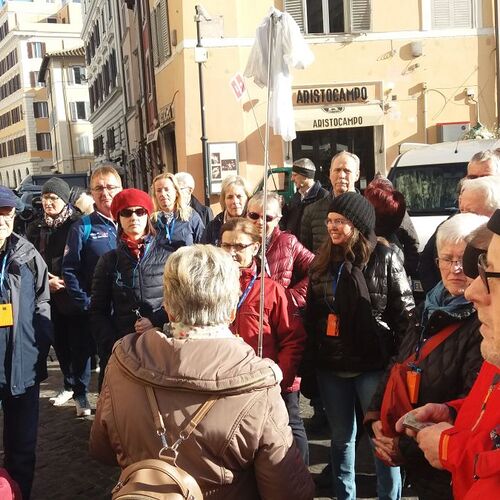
<point x="211" y="235"/>
<point x="80" y="258"/>
<point x="185" y="232"/>
<point x="121" y="285"/>
<point x="25" y="345"/>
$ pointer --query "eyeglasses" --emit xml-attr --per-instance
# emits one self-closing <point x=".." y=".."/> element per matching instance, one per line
<point x="256" y="216"/>
<point x="50" y="197"/>
<point x="128" y="212"/>
<point x="238" y="247"/>
<point x="485" y="275"/>
<point x="336" y="222"/>
<point x="448" y="264"/>
<point x="108" y="188"/>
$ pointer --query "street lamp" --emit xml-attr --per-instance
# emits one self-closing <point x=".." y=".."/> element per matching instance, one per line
<point x="200" y="56"/>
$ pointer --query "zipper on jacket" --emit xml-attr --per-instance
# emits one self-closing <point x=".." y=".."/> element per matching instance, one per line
<point x="492" y="387"/>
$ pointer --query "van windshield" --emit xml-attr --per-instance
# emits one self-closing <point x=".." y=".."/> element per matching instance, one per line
<point x="430" y="189"/>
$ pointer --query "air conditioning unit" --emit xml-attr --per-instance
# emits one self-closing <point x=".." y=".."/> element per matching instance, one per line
<point x="452" y="131"/>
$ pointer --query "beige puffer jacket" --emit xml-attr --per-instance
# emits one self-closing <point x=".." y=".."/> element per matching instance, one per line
<point x="242" y="449"/>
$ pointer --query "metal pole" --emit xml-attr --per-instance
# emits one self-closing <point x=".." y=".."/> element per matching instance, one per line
<point x="497" y="58"/>
<point x="264" y="187"/>
<point x="203" y="137"/>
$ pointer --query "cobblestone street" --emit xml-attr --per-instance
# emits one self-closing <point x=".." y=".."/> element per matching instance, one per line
<point x="65" y="471"/>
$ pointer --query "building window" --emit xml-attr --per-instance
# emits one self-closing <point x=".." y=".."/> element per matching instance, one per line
<point x="110" y="139"/>
<point x="160" y="34"/>
<point x="4" y="30"/>
<point x="76" y="75"/>
<point x="8" y="61"/>
<point x="79" y="110"/>
<point x="10" y="87"/>
<point x="84" y="145"/>
<point x="99" y="146"/>
<point x="41" y="109"/>
<point x="331" y="16"/>
<point x="36" y="49"/>
<point x="446" y="14"/>
<point x="34" y="80"/>
<point x="43" y="142"/>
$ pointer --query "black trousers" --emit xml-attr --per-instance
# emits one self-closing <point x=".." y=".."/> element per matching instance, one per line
<point x="295" y="422"/>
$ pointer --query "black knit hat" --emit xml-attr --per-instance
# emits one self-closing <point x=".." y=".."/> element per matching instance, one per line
<point x="357" y="209"/>
<point x="58" y="187"/>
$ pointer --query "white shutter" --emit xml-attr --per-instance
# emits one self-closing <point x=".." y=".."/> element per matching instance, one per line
<point x="296" y="9"/>
<point x="72" y="111"/>
<point x="154" y="38"/>
<point x="164" y="33"/>
<point x="448" y="14"/>
<point x="359" y="16"/>
<point x="87" y="110"/>
<point x="71" y="75"/>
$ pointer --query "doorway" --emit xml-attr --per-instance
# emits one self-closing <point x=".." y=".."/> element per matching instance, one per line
<point x="321" y="145"/>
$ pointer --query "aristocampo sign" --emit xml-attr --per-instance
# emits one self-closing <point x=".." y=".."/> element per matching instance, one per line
<point x="331" y="95"/>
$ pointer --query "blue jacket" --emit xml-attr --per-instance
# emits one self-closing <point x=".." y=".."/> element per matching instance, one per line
<point x="211" y="235"/>
<point x="185" y="233"/>
<point x="25" y="345"/>
<point x="80" y="257"/>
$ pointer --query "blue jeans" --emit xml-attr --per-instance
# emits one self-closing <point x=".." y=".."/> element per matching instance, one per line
<point x="339" y="397"/>
<point x="20" y="429"/>
<point x="296" y="423"/>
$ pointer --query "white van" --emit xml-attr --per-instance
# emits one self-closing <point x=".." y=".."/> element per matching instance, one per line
<point x="428" y="176"/>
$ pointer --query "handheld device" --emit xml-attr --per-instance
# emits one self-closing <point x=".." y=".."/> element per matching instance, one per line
<point x="415" y="425"/>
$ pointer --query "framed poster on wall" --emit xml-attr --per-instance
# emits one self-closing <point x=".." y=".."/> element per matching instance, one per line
<point x="223" y="161"/>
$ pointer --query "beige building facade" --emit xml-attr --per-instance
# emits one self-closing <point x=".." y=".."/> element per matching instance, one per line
<point x="384" y="73"/>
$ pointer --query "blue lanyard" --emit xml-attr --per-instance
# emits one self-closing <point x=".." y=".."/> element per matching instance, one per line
<point x="246" y="292"/>
<point x="169" y="231"/>
<point x="2" y="276"/>
<point x="336" y="279"/>
<point x="118" y="281"/>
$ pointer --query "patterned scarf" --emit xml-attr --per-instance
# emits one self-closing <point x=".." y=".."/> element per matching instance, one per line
<point x="60" y="218"/>
<point x="136" y="247"/>
<point x="182" y="331"/>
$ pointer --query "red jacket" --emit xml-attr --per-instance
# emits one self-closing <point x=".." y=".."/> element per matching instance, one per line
<point x="284" y="335"/>
<point x="467" y="449"/>
<point x="288" y="263"/>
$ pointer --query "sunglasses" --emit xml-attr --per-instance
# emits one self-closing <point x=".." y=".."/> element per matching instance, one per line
<point x="256" y="216"/>
<point x="485" y="275"/>
<point x="128" y="212"/>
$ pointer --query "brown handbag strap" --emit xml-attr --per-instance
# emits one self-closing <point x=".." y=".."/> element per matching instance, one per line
<point x="433" y="342"/>
<point x="191" y="425"/>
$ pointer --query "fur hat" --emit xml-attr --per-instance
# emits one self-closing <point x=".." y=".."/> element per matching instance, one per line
<point x="59" y="187"/>
<point x="357" y="209"/>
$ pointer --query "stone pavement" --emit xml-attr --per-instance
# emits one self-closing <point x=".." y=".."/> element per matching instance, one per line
<point x="64" y="470"/>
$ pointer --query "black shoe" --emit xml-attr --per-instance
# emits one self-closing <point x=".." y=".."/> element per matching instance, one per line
<point x="323" y="480"/>
<point x="317" y="423"/>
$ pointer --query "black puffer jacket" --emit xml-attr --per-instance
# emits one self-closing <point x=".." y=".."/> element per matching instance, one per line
<point x="122" y="285"/>
<point x="391" y="307"/>
<point x="50" y="242"/>
<point x="448" y="373"/>
<point x="211" y="234"/>
<point x="312" y="227"/>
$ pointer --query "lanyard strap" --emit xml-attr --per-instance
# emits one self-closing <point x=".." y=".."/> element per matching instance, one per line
<point x="2" y="275"/>
<point x="169" y="231"/>
<point x="336" y="279"/>
<point x="246" y="292"/>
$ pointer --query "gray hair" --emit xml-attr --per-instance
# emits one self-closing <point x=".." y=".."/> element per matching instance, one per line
<point x="272" y="197"/>
<point x="232" y="180"/>
<point x="349" y="155"/>
<point x="480" y="238"/>
<point x="457" y="228"/>
<point x="184" y="179"/>
<point x="201" y="285"/>
<point x="488" y="155"/>
<point x="486" y="188"/>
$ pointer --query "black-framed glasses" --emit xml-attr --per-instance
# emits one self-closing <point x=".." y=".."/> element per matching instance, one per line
<point x="128" y="212"/>
<point x="238" y="247"/>
<point x="108" y="188"/>
<point x="448" y="264"/>
<point x="485" y="275"/>
<point x="256" y="216"/>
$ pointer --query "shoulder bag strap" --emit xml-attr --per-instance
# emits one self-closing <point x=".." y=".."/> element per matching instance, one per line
<point x="434" y="342"/>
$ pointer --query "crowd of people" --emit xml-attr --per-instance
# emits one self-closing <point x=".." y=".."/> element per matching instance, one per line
<point x="151" y="290"/>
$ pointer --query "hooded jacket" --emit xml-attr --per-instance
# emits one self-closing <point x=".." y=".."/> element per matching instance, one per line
<point x="243" y="448"/>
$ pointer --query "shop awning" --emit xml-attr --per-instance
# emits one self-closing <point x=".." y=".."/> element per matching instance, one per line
<point x="360" y="115"/>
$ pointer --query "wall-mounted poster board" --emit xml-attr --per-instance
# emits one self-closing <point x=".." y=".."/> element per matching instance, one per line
<point x="223" y="161"/>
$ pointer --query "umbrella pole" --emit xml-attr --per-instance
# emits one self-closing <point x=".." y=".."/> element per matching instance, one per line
<point x="264" y="187"/>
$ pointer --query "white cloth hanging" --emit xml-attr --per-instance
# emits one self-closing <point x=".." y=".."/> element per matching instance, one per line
<point x="289" y="49"/>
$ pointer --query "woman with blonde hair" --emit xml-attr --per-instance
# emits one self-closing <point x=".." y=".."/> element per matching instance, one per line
<point x="176" y="224"/>
<point x="233" y="198"/>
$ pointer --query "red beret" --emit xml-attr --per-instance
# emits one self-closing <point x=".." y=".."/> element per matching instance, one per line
<point x="130" y="198"/>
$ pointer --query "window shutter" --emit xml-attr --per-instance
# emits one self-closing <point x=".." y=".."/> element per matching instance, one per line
<point x="32" y="79"/>
<point x="87" y="111"/>
<point x="164" y="46"/>
<point x="296" y="9"/>
<point x="154" y="36"/>
<point x="359" y="16"/>
<point x="30" y="50"/>
<point x="451" y="14"/>
<point x="72" y="111"/>
<point x="71" y="76"/>
<point x="462" y="14"/>
<point x="43" y="48"/>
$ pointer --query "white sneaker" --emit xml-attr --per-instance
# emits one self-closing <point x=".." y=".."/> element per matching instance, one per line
<point x="62" y="397"/>
<point x="83" y="408"/>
